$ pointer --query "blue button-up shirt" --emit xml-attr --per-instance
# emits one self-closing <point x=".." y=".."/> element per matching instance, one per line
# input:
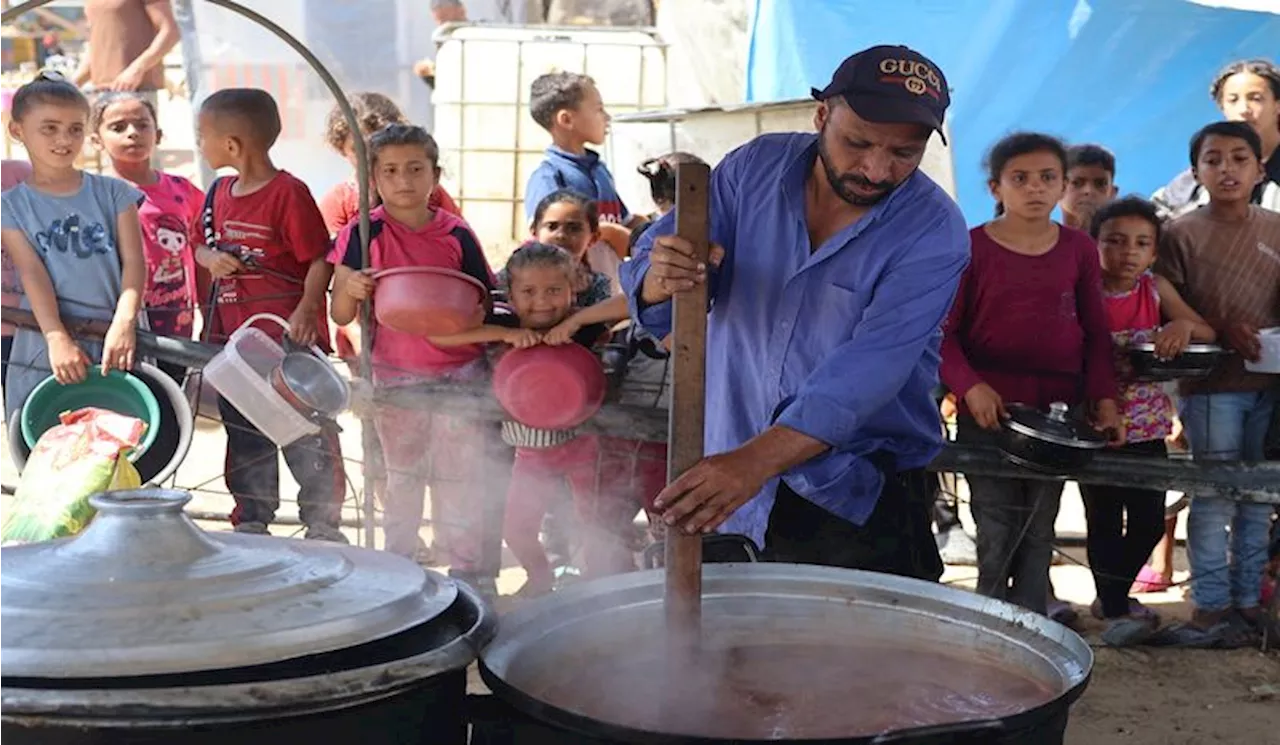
<point x="585" y="174"/>
<point x="839" y="341"/>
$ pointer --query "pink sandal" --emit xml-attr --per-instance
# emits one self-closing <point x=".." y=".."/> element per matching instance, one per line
<point x="1149" y="580"/>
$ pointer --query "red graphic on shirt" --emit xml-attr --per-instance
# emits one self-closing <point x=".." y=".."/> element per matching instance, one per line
<point x="610" y="211"/>
<point x="168" y="292"/>
<point x="277" y="231"/>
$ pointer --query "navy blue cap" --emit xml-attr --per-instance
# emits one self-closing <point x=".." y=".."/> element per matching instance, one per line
<point x="891" y="84"/>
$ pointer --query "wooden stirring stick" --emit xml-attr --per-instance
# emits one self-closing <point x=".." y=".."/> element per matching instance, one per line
<point x="683" y="599"/>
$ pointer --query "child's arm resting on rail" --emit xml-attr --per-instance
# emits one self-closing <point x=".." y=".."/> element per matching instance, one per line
<point x="609" y="312"/>
<point x="490" y="334"/>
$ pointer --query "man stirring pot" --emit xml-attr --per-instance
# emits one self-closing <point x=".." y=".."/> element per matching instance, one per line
<point x="834" y="263"/>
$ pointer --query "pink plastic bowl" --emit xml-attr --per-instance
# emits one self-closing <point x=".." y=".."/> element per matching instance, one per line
<point x="428" y="301"/>
<point x="549" y="387"/>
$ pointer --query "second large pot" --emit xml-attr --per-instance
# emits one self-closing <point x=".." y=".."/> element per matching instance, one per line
<point x="146" y="630"/>
<point x="791" y="653"/>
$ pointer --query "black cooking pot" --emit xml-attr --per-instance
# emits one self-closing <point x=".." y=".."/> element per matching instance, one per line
<point x="1051" y="443"/>
<point x="805" y="612"/>
<point x="144" y="629"/>
<point x="1196" y="361"/>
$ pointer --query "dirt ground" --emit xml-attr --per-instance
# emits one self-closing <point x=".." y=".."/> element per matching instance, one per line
<point x="1150" y="696"/>
<point x="1179" y="697"/>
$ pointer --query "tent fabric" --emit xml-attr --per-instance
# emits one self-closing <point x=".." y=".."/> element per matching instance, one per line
<point x="1132" y="75"/>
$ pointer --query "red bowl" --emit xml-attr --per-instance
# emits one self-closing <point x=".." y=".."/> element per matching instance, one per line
<point x="428" y="301"/>
<point x="549" y="387"/>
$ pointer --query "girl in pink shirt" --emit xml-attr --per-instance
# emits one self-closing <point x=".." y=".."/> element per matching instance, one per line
<point x="1126" y="523"/>
<point x="419" y="447"/>
<point x="123" y="125"/>
<point x="542" y="279"/>
<point x="14" y="172"/>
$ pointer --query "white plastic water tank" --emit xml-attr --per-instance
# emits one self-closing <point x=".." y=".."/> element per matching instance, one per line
<point x="489" y="142"/>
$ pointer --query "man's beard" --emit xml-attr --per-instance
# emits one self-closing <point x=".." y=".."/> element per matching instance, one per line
<point x="842" y="183"/>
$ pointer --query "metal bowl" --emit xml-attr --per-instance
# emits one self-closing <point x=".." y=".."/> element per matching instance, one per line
<point x="311" y="384"/>
<point x="605" y="624"/>
<point x="1196" y="361"/>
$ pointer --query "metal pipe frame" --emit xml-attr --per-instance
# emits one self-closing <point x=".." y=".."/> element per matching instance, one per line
<point x="1249" y="482"/>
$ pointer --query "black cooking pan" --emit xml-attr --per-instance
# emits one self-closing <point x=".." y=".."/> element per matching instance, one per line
<point x="1196" y="361"/>
<point x="1052" y="442"/>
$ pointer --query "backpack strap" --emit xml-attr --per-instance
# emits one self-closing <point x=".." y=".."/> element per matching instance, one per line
<point x="206" y="215"/>
<point x="351" y="257"/>
<point x="210" y="242"/>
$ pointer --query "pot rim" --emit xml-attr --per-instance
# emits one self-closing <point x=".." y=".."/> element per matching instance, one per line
<point x="1194" y="348"/>
<point x="1074" y="444"/>
<point x="437" y="270"/>
<point x="526" y="625"/>
<point x="281" y="387"/>
<point x="241" y="701"/>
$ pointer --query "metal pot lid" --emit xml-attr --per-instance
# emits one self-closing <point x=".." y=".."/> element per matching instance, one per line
<point x="1197" y="348"/>
<point x="144" y="591"/>
<point x="1056" y="427"/>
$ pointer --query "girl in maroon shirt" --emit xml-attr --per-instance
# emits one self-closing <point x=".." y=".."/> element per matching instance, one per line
<point x="1027" y="326"/>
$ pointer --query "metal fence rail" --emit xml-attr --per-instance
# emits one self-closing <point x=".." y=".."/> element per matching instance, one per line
<point x="1253" y="482"/>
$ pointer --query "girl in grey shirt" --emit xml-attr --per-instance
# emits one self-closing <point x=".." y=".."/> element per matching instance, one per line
<point x="75" y="240"/>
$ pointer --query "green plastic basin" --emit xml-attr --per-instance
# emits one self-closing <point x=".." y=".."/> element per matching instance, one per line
<point x="116" y="391"/>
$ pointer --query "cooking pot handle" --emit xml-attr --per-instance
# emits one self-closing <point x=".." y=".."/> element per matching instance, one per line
<point x="941" y="733"/>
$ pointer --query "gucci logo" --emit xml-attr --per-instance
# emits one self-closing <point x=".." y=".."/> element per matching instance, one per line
<point x="911" y="69"/>
<point x="915" y="85"/>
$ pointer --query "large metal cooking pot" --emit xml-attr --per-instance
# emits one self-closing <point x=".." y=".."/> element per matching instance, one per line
<point x="847" y="634"/>
<point x="146" y="629"/>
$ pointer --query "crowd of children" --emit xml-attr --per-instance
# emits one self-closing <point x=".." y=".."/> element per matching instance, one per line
<point x="1046" y="312"/>
<point x="1043" y="315"/>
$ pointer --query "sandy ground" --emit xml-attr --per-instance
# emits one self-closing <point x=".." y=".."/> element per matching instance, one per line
<point x="1136" y="697"/>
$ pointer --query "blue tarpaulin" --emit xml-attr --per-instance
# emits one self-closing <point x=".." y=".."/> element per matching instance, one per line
<point x="1132" y="75"/>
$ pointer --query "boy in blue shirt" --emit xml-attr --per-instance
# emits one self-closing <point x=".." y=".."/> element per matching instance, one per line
<point x="568" y="105"/>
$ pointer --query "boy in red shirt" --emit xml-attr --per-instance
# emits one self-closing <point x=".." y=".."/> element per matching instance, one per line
<point x="269" y="243"/>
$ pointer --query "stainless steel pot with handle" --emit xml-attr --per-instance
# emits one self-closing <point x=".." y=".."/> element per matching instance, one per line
<point x="146" y="629"/>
